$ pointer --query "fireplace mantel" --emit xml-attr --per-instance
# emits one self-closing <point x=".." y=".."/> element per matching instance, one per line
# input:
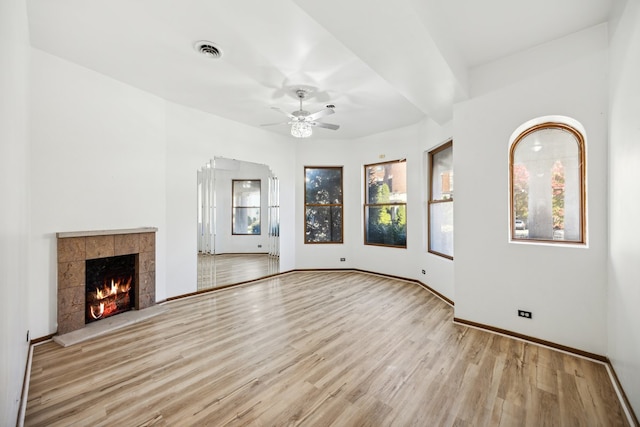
<point x="65" y="234"/>
<point x="75" y="247"/>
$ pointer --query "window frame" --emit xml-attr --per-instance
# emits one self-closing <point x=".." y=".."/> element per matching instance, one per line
<point x="431" y="201"/>
<point x="233" y="206"/>
<point x="366" y="205"/>
<point x="580" y="139"/>
<point x="329" y="205"/>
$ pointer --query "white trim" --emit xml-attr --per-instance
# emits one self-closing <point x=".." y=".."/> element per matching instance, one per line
<point x="25" y="388"/>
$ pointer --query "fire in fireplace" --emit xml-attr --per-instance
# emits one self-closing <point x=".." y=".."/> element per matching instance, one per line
<point x="110" y="286"/>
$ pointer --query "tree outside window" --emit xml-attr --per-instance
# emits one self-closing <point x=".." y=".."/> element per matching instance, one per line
<point x="385" y="209"/>
<point x="323" y="204"/>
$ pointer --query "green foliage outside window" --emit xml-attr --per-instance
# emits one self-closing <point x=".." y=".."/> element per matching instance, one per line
<point x="386" y="210"/>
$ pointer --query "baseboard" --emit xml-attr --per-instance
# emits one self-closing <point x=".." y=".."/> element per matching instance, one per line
<point x="391" y="276"/>
<point x="42" y="339"/>
<point x="624" y="401"/>
<point x="234" y="253"/>
<point x="424" y="285"/>
<point x="436" y="293"/>
<point x="626" y="404"/>
<point x="219" y="288"/>
<point x="534" y="340"/>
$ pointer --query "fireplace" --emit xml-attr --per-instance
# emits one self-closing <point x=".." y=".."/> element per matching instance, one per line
<point x="104" y="273"/>
<point x="110" y="286"/>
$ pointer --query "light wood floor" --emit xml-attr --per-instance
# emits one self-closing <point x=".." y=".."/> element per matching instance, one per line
<point x="317" y="349"/>
<point x="225" y="269"/>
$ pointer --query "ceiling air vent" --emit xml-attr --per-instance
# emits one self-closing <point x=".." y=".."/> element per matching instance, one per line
<point x="208" y="49"/>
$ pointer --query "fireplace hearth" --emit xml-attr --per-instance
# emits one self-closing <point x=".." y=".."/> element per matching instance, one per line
<point x="87" y="291"/>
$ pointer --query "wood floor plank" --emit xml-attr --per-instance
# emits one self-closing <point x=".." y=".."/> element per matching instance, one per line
<point x="314" y="348"/>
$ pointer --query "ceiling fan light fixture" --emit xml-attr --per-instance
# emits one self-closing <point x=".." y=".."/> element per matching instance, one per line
<point x="301" y="129"/>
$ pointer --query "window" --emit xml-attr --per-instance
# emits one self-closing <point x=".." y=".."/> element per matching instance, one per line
<point x="547" y="192"/>
<point x="441" y="201"/>
<point x="246" y="206"/>
<point x="323" y="204"/>
<point x="385" y="209"/>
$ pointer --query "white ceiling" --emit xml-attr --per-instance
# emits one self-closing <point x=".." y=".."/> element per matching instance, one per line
<point x="383" y="64"/>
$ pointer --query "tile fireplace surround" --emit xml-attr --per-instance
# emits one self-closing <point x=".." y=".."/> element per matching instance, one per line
<point x="74" y="248"/>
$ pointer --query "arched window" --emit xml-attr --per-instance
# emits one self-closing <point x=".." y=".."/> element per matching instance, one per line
<point x="547" y="184"/>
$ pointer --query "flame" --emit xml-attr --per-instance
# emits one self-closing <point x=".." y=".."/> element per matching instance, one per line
<point x="125" y="287"/>
<point x="110" y="299"/>
<point x="115" y="289"/>
<point x="100" y="312"/>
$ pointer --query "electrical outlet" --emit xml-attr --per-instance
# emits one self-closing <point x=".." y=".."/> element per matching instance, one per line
<point x="259" y="246"/>
<point x="525" y="314"/>
<point x="342" y="259"/>
<point x="27" y="335"/>
<point x="424" y="272"/>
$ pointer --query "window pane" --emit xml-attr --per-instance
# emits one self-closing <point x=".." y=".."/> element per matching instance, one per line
<point x="386" y="225"/>
<point x="386" y="183"/>
<point x="246" y="220"/>
<point x="441" y="230"/>
<point x="440" y="236"/>
<point x="246" y="193"/>
<point x="246" y="206"/>
<point x="324" y="224"/>
<point x="547" y="186"/>
<point x="323" y="185"/>
<point x="386" y="188"/>
<point x="442" y="174"/>
<point x="323" y="204"/>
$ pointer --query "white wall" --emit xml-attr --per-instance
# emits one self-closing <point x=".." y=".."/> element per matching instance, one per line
<point x="98" y="162"/>
<point x="409" y="143"/>
<point x="319" y="152"/>
<point x="193" y="138"/>
<point x="404" y="143"/>
<point x="106" y="155"/>
<point x="564" y="287"/>
<point x="439" y="271"/>
<point x="14" y="194"/>
<point x="624" y="203"/>
<point x="225" y="241"/>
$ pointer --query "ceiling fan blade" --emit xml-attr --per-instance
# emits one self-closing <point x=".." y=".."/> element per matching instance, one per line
<point x="325" y="125"/>
<point x="274" y="124"/>
<point x="321" y="113"/>
<point x="291" y="116"/>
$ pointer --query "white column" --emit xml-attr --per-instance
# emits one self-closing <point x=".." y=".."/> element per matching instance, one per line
<point x="540" y="220"/>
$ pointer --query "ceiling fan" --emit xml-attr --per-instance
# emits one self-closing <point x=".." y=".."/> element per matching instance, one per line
<point x="301" y="121"/>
